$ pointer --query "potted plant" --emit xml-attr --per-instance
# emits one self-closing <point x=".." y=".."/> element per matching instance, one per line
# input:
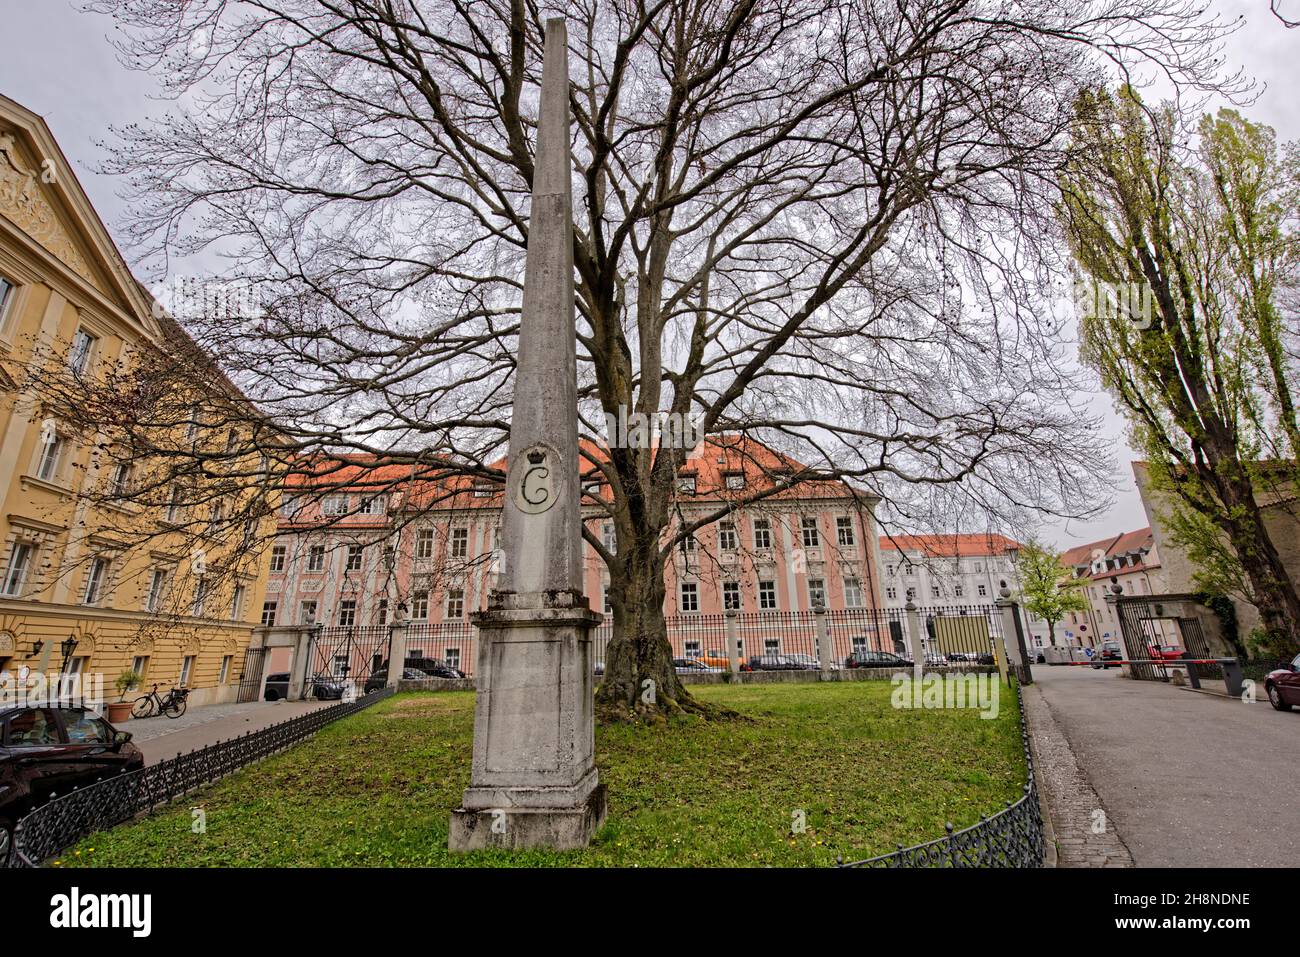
<point x="120" y="710"/>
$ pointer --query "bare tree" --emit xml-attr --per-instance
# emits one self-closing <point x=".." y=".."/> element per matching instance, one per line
<point x="825" y="224"/>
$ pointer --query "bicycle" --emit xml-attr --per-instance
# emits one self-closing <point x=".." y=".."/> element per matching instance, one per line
<point x="151" y="703"/>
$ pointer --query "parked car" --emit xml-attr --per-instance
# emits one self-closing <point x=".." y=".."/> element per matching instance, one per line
<point x="418" y="668"/>
<point x="876" y="659"/>
<point x="809" y="662"/>
<point x="771" y="663"/>
<point x="1109" y="651"/>
<point x="693" y="666"/>
<point x="277" y="686"/>
<point x="1164" y="652"/>
<point x="328" y="687"/>
<point x="715" y="658"/>
<point x="1283" y="686"/>
<point x="51" y="750"/>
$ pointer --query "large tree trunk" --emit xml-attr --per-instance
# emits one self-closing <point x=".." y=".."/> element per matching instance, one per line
<point x="1274" y="592"/>
<point x="640" y="679"/>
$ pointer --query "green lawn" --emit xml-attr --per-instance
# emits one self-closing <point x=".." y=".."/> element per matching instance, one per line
<point x="375" y="789"/>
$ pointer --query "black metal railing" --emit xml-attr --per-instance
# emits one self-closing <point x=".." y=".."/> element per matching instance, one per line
<point x="63" y="820"/>
<point x="1013" y="837"/>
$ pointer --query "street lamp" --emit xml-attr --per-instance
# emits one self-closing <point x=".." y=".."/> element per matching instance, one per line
<point x="68" y="647"/>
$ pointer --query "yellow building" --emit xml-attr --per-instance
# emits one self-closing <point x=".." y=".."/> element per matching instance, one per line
<point x="132" y="583"/>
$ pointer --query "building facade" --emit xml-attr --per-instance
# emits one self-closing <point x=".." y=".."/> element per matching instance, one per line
<point x="1130" y="560"/>
<point x="375" y="548"/>
<point x="951" y="572"/>
<point x="82" y="592"/>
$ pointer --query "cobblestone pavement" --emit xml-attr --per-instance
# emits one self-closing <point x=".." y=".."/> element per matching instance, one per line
<point x="1185" y="779"/>
<point x="1084" y="834"/>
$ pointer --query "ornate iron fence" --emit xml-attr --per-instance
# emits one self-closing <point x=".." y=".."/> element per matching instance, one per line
<point x="1013" y="837"/>
<point x="62" y="821"/>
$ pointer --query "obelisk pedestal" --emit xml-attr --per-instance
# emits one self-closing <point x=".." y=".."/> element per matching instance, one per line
<point x="534" y="780"/>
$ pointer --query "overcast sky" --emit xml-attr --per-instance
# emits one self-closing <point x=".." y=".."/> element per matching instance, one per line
<point x="58" y="62"/>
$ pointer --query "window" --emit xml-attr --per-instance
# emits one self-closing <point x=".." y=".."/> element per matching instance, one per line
<point x="934" y="591"/>
<point x="340" y="666"/>
<point x="459" y="542"/>
<point x="816" y="592"/>
<point x="187" y="669"/>
<point x="424" y="543"/>
<point x="420" y="605"/>
<point x="33" y="728"/>
<point x="316" y="558"/>
<point x="688" y="543"/>
<point x="85" y="727"/>
<point x="95" y="576"/>
<point x="734" y="480"/>
<point x="727" y="536"/>
<point x="811" y="539"/>
<point x="140" y="666"/>
<point x="686" y="483"/>
<point x="891" y="592"/>
<point x="237" y="603"/>
<point x="372" y="506"/>
<point x="47" y="466"/>
<point x="853" y="592"/>
<point x="609" y="538"/>
<point x="771" y="646"/>
<point x="120" y="484"/>
<point x="224" y="675"/>
<point x="731" y="596"/>
<point x="381" y="612"/>
<point x="762" y="533"/>
<point x="307" y="613"/>
<point x="200" y="598"/>
<point x="608" y="604"/>
<point x="844" y="531"/>
<point x="354" y="558"/>
<point x="691" y="648"/>
<point x="958" y="591"/>
<point x="911" y="594"/>
<point x="174" y="504"/>
<point x="483" y="490"/>
<point x="909" y="570"/>
<point x="83" y="344"/>
<point x="983" y="591"/>
<point x="278" y="554"/>
<point x="289" y="506"/>
<point x="766" y="596"/>
<point x="452" y="656"/>
<point x="889" y="570"/>
<point x="347" y="613"/>
<point x="455" y="603"/>
<point x="268" y="613"/>
<point x="690" y="597"/>
<point x="334" y="505"/>
<point x="6" y="298"/>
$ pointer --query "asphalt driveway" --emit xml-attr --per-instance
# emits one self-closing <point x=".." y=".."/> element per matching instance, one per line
<point x="1187" y="779"/>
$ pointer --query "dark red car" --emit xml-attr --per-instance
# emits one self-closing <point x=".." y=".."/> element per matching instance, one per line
<point x="47" y="750"/>
<point x="1283" y="686"/>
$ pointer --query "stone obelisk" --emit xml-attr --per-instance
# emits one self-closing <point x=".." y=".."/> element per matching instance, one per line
<point x="534" y="780"/>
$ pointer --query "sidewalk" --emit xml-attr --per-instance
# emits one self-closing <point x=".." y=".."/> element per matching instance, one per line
<point x="162" y="737"/>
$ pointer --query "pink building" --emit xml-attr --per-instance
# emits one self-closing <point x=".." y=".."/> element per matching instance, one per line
<point x="369" y="546"/>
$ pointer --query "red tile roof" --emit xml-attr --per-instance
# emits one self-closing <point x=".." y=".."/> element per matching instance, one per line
<point x="950" y="546"/>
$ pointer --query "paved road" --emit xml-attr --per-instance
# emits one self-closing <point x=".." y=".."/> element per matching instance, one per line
<point x="1187" y="779"/>
<point x="162" y="737"/>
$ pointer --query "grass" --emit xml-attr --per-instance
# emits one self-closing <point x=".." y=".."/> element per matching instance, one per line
<point x="375" y="789"/>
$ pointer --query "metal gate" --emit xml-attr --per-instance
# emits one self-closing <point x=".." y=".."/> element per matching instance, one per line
<point x="250" y="680"/>
<point x="348" y="653"/>
<point x="1155" y="631"/>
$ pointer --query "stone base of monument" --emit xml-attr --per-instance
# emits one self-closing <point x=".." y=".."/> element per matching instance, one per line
<point x="560" y="828"/>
